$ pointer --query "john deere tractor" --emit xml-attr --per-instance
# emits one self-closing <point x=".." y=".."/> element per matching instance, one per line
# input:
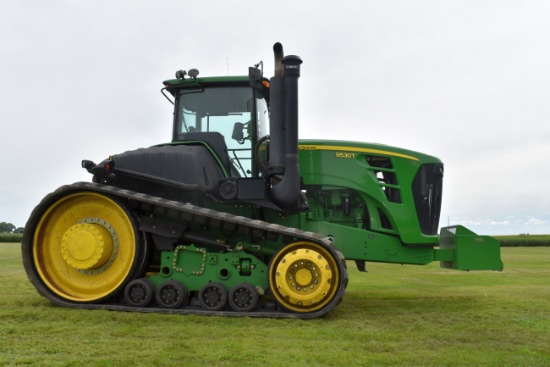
<point x="236" y="216"/>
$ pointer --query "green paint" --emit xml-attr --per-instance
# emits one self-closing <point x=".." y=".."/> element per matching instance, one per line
<point x="193" y="267"/>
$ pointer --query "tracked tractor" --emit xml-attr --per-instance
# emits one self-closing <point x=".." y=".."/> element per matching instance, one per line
<point x="236" y="216"/>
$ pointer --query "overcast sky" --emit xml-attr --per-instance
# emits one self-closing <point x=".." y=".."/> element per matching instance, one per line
<point x="466" y="81"/>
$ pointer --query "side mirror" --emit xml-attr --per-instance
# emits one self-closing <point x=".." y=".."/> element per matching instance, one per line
<point x="255" y="76"/>
<point x="238" y="134"/>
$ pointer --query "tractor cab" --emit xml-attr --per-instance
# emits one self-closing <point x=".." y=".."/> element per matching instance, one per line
<point x="226" y="114"/>
<point x="233" y="117"/>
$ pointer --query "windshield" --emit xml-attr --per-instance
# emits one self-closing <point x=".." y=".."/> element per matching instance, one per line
<point x="229" y="111"/>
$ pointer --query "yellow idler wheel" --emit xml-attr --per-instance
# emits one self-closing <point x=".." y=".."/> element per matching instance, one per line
<point x="304" y="277"/>
<point x="84" y="247"/>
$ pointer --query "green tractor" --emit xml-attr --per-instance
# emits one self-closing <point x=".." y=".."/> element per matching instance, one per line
<point x="236" y="216"/>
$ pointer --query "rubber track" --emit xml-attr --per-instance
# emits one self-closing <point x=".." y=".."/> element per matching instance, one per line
<point x="276" y="312"/>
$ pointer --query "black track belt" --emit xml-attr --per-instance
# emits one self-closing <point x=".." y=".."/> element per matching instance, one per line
<point x="271" y="311"/>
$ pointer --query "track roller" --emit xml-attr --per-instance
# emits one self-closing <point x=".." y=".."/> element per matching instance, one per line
<point x="213" y="296"/>
<point x="243" y="297"/>
<point x="139" y="292"/>
<point x="172" y="294"/>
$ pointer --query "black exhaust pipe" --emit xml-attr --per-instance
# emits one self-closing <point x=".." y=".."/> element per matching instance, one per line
<point x="277" y="138"/>
<point x="279" y="55"/>
<point x="283" y="147"/>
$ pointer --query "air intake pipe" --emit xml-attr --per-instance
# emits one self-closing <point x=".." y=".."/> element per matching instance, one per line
<point x="283" y="147"/>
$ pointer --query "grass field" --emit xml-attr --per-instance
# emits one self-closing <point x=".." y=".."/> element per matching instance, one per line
<point x="392" y="316"/>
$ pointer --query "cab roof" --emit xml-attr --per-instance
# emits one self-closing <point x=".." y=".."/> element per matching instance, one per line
<point x="206" y="80"/>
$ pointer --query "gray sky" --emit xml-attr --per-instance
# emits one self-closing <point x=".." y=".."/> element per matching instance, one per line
<point x="466" y="81"/>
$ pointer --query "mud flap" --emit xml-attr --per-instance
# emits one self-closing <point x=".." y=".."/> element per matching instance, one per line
<point x="469" y="251"/>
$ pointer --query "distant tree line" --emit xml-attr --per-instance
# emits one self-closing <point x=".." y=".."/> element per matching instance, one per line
<point x="10" y="228"/>
<point x="524" y="240"/>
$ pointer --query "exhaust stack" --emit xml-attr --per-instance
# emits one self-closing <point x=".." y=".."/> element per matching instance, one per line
<point x="283" y="148"/>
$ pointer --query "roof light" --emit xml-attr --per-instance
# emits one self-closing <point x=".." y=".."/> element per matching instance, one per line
<point x="193" y="73"/>
<point x="180" y="74"/>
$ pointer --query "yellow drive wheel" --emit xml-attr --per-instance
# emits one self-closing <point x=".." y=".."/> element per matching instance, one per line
<point x="84" y="247"/>
<point x="304" y="277"/>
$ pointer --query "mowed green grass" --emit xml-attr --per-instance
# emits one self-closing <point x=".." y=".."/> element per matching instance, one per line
<point x="392" y="316"/>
